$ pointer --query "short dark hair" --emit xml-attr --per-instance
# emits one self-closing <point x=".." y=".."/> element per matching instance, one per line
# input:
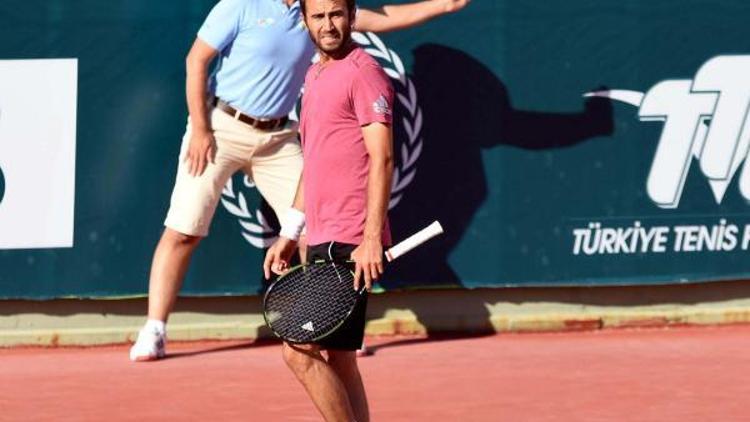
<point x="350" y="6"/>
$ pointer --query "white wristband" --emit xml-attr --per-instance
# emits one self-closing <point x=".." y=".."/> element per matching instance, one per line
<point x="292" y="224"/>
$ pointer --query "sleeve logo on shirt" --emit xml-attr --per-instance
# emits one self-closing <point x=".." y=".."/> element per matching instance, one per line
<point x="380" y="106"/>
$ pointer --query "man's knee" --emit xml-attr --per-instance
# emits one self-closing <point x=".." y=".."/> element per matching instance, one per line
<point x="177" y="239"/>
<point x="299" y="358"/>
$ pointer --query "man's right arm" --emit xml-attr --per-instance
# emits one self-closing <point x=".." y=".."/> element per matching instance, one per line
<point x="217" y="32"/>
<point x="202" y="145"/>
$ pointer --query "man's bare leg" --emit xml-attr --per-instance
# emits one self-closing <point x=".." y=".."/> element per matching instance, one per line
<point x="168" y="268"/>
<point x="171" y="260"/>
<point x="324" y="387"/>
<point x="344" y="363"/>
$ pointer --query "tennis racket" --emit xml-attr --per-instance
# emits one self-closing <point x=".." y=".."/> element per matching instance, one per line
<point x="311" y="301"/>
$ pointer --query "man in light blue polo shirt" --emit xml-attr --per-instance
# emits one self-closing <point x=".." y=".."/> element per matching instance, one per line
<point x="238" y="121"/>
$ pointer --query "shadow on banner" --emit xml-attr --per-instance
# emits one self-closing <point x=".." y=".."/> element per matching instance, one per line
<point x="467" y="109"/>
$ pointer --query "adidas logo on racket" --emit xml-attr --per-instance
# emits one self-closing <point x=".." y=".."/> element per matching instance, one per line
<point x="311" y="301"/>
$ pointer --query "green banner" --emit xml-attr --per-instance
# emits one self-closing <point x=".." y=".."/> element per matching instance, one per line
<point x="560" y="143"/>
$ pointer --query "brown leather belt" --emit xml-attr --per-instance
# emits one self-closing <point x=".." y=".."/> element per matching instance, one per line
<point x="260" y="124"/>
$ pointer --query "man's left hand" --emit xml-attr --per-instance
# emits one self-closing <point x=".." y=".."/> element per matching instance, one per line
<point x="278" y="257"/>
<point x="368" y="257"/>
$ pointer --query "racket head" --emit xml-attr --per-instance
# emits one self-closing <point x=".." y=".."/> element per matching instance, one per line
<point x="310" y="301"/>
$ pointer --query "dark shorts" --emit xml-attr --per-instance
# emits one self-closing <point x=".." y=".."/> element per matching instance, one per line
<point x="350" y="335"/>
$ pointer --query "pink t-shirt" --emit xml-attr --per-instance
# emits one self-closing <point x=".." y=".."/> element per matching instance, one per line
<point x="340" y="98"/>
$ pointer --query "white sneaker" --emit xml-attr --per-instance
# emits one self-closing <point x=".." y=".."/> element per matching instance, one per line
<point x="150" y="345"/>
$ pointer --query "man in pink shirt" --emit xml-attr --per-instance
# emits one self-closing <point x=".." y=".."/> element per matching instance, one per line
<point x="343" y="196"/>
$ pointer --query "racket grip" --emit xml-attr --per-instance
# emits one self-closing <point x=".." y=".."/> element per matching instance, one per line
<point x="413" y="241"/>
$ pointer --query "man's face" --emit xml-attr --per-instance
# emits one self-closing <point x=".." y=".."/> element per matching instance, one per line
<point x="329" y="24"/>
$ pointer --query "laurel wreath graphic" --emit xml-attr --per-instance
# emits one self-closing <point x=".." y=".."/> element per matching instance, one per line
<point x="255" y="227"/>
<point x="259" y="234"/>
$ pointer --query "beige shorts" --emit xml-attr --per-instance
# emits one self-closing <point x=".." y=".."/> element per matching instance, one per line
<point x="272" y="159"/>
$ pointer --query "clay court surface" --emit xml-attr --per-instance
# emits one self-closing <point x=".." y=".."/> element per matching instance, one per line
<point x="675" y="374"/>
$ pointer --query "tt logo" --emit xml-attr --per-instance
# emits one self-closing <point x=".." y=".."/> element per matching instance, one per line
<point x="705" y="120"/>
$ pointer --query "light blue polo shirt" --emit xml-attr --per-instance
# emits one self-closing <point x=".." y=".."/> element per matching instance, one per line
<point x="264" y="52"/>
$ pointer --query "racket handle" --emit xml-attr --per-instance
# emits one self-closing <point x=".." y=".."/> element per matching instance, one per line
<point x="413" y="241"/>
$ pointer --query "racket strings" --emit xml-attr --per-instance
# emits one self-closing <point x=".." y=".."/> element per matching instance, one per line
<point x="309" y="302"/>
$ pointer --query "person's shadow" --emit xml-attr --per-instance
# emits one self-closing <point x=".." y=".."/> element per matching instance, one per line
<point x="466" y="109"/>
